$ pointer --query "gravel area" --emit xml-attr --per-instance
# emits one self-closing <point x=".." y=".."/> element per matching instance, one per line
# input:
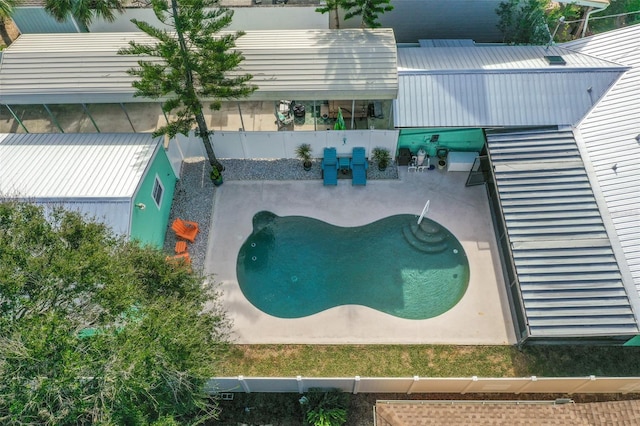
<point x="193" y="197"/>
<point x="288" y="169"/>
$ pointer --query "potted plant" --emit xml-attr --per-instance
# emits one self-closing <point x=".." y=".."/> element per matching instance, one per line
<point x="382" y="157"/>
<point x="303" y="151"/>
<point x="216" y="176"/>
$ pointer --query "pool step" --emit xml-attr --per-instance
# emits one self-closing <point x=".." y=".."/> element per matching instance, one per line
<point x="428" y="233"/>
<point x="422" y="243"/>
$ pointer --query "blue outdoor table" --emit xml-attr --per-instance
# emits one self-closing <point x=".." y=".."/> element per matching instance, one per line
<point x="343" y="163"/>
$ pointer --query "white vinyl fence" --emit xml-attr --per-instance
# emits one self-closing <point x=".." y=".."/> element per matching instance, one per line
<point x="273" y="145"/>
<point x="416" y="384"/>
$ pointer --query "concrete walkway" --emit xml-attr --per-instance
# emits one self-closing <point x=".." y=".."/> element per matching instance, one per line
<point x="481" y="317"/>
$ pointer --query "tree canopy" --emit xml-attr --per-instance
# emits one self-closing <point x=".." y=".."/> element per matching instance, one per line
<point x="331" y="7"/>
<point x="84" y="11"/>
<point x="368" y="10"/>
<point x="529" y="21"/>
<point x="6" y="8"/>
<point x="98" y="330"/>
<point x="196" y="63"/>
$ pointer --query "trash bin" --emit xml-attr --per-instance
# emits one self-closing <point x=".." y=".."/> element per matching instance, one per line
<point x="404" y="156"/>
<point x="299" y="111"/>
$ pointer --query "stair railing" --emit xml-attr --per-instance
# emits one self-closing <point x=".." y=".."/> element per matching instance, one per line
<point x="424" y="211"/>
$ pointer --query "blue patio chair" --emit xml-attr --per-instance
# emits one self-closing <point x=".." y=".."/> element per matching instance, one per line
<point x="359" y="167"/>
<point x="330" y="166"/>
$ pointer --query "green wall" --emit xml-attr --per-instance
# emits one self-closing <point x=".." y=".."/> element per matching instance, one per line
<point x="634" y="341"/>
<point x="149" y="226"/>
<point x="466" y="140"/>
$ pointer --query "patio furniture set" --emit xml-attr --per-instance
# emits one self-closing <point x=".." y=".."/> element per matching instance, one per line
<point x="185" y="231"/>
<point x="331" y="164"/>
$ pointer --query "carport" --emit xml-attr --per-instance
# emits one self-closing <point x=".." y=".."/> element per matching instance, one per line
<point x="71" y="74"/>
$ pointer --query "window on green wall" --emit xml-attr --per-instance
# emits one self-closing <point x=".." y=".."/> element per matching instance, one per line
<point x="158" y="191"/>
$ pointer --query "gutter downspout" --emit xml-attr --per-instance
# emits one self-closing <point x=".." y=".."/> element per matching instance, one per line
<point x="586" y="20"/>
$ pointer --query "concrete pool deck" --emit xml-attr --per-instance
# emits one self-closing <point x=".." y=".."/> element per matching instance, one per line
<point x="481" y="317"/>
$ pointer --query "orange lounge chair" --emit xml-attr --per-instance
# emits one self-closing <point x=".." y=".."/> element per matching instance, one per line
<point x="185" y="229"/>
<point x="181" y="246"/>
<point x="180" y="258"/>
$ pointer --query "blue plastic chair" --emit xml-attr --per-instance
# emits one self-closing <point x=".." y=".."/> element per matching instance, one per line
<point x="330" y="166"/>
<point x="359" y="167"/>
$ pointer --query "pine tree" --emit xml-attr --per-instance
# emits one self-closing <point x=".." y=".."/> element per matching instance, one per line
<point x="194" y="65"/>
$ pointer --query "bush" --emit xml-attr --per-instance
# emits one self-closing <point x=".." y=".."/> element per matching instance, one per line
<point x="325" y="407"/>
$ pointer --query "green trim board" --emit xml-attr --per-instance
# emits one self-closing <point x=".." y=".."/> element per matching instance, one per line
<point x="152" y="203"/>
<point x="432" y="139"/>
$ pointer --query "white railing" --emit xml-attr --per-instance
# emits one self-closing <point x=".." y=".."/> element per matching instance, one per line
<point x="424" y="211"/>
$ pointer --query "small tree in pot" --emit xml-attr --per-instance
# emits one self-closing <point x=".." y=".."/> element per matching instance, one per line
<point x="303" y="151"/>
<point x="216" y="176"/>
<point x="382" y="157"/>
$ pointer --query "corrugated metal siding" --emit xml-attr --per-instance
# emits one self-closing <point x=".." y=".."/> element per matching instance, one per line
<point x="569" y="278"/>
<point x="610" y="133"/>
<point x="498" y="99"/>
<point x="75" y="167"/>
<point x="293" y="64"/>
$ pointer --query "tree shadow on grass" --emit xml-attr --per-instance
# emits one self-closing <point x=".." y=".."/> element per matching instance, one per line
<point x="575" y="361"/>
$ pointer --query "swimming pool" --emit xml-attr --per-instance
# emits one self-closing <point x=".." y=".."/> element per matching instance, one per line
<point x="295" y="266"/>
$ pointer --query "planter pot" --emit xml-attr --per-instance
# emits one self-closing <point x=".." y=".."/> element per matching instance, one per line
<point x="382" y="168"/>
<point x="307" y="165"/>
<point x="441" y="164"/>
<point x="217" y="180"/>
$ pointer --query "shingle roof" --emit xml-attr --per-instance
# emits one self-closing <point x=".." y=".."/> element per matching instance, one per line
<point x="420" y="413"/>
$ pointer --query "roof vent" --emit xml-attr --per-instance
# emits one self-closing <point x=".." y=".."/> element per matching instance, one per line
<point x="555" y="60"/>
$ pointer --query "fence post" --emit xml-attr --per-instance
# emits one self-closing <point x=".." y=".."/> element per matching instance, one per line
<point x="300" y="384"/>
<point x="533" y="379"/>
<point x="591" y="379"/>
<point x="416" y="379"/>
<point x="473" y="380"/>
<point x="244" y="384"/>
<point x="356" y="385"/>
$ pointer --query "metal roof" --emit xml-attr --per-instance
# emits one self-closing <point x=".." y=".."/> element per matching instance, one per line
<point x="482" y="58"/>
<point x="74" y="167"/>
<point x="569" y="278"/>
<point x="291" y="64"/>
<point x="493" y="86"/>
<point x="610" y="134"/>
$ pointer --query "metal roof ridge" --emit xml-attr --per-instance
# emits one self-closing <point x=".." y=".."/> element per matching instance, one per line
<point x="553" y="69"/>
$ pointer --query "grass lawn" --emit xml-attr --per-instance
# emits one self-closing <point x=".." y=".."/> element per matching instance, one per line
<point x="429" y="361"/>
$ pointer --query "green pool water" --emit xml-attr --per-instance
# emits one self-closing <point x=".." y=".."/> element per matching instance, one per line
<point x="295" y="266"/>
